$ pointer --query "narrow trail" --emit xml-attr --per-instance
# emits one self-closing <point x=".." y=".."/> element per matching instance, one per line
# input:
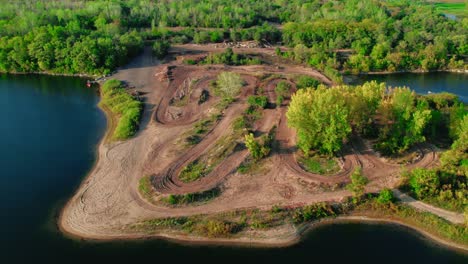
<point x="453" y="217"/>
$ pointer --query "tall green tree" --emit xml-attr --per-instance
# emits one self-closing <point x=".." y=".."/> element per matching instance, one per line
<point x="358" y="183"/>
<point x="403" y="120"/>
<point x="320" y="118"/>
<point x="229" y="84"/>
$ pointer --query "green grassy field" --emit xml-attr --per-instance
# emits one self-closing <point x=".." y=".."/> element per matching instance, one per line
<point x="457" y="8"/>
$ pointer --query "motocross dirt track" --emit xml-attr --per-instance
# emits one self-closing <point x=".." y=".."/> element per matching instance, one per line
<point x="108" y="200"/>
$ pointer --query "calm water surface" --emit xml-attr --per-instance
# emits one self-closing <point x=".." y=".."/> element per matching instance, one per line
<point x="424" y="83"/>
<point x="48" y="132"/>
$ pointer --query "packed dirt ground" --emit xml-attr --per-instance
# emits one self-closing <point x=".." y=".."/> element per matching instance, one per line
<point x="109" y="199"/>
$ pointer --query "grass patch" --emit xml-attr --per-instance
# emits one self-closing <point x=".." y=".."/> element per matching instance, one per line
<point x="200" y="129"/>
<point x="224" y="147"/>
<point x="458" y="9"/>
<point x="125" y="107"/>
<point x="305" y="81"/>
<point x="228" y="57"/>
<point x="145" y="188"/>
<point x="191" y="198"/>
<point x="247" y="167"/>
<point x="229" y="224"/>
<point x="194" y="171"/>
<point x="320" y="164"/>
<point x="250" y="166"/>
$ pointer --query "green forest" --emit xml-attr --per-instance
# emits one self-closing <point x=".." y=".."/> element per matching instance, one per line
<point x="95" y="37"/>
<point x="396" y="119"/>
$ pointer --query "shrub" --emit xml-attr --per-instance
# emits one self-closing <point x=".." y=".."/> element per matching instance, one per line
<point x="189" y="198"/>
<point x="305" y="81"/>
<point x="216" y="228"/>
<point x="282" y="88"/>
<point x="423" y="182"/>
<point x="160" y="49"/>
<point x="229" y="84"/>
<point x="259" y="100"/>
<point x="385" y="196"/>
<point x="313" y="212"/>
<point x="279" y="100"/>
<point x="193" y="172"/>
<point x="144" y="186"/>
<point x="203" y="97"/>
<point x="228" y="57"/>
<point x="358" y="183"/>
<point x="127" y="108"/>
<point x="256" y="149"/>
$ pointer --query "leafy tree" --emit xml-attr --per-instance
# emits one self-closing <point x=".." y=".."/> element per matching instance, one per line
<point x="160" y="49"/>
<point x="305" y="81"/>
<point x="229" y="84"/>
<point x="358" y="183"/>
<point x="259" y="101"/>
<point x="457" y="114"/>
<point x="256" y="149"/>
<point x="320" y="118"/>
<point x="301" y="53"/>
<point x="455" y="160"/>
<point x="385" y="196"/>
<point x="423" y="182"/>
<point x="363" y="101"/>
<point x="403" y="120"/>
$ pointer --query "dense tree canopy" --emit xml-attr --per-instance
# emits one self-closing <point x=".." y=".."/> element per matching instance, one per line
<point x="378" y="35"/>
<point x="396" y="117"/>
<point x="403" y="119"/>
<point x="97" y="36"/>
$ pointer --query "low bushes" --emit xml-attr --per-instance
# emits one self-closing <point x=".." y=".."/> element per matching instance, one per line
<point x="313" y="212"/>
<point x="144" y="187"/>
<point x="194" y="171"/>
<point x="257" y="101"/>
<point x="228" y="57"/>
<point x="324" y="165"/>
<point x="191" y="198"/>
<point x="125" y="107"/>
<point x="304" y="81"/>
<point x="437" y="187"/>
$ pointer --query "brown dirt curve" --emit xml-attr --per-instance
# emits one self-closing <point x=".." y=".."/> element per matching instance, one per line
<point x="108" y="199"/>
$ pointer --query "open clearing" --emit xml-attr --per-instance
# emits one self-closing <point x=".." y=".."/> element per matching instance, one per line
<point x="108" y="199"/>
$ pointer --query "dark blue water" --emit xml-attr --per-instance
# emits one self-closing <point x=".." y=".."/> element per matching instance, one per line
<point x="48" y="132"/>
<point x="424" y="83"/>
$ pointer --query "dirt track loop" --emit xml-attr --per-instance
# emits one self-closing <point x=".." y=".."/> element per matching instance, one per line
<point x="108" y="199"/>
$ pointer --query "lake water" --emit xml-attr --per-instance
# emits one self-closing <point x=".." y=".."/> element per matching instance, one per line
<point x="49" y="129"/>
<point x="424" y="83"/>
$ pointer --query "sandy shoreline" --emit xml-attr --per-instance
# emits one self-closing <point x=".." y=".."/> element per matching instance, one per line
<point x="107" y="199"/>
<point x="293" y="238"/>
